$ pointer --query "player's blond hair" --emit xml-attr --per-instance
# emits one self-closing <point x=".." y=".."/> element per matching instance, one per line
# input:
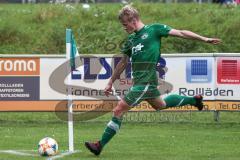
<point x="129" y="12"/>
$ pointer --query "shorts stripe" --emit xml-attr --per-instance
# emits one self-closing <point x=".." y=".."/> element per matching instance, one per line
<point x="144" y="91"/>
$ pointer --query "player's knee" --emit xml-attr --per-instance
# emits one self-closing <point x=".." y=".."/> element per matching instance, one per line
<point x="159" y="106"/>
<point x="117" y="112"/>
<point x="163" y="104"/>
<point x="120" y="109"/>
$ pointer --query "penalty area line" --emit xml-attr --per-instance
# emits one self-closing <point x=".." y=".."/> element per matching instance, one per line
<point x="62" y="155"/>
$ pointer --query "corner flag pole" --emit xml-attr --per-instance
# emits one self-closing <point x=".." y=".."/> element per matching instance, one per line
<point x="69" y="96"/>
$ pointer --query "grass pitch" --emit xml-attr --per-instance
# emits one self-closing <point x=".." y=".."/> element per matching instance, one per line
<point x="199" y="138"/>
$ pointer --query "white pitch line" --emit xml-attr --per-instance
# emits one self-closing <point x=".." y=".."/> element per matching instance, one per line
<point x="19" y="153"/>
<point x="62" y="155"/>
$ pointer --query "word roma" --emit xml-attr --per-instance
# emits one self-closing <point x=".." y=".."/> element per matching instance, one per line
<point x="17" y="65"/>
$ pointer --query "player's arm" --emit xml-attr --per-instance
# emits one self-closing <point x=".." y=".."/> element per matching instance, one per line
<point x="117" y="72"/>
<point x="191" y="35"/>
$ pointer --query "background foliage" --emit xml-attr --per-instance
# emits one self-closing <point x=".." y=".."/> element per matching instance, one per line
<point x="40" y="28"/>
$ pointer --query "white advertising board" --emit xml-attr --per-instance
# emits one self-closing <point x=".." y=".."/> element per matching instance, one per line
<point x="42" y="81"/>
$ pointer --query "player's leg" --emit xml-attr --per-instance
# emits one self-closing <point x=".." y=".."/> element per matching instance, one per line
<point x="157" y="103"/>
<point x="115" y="123"/>
<point x="111" y="129"/>
<point x="176" y="100"/>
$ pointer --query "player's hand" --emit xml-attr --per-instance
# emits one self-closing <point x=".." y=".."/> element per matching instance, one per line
<point x="213" y="40"/>
<point x="108" y="89"/>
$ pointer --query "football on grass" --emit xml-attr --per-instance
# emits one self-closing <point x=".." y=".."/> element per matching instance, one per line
<point x="47" y="147"/>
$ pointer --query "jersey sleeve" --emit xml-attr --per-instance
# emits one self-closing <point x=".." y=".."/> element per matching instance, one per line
<point x="127" y="47"/>
<point x="161" y="30"/>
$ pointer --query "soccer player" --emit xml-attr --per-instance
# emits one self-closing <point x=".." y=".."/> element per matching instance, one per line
<point x="143" y="47"/>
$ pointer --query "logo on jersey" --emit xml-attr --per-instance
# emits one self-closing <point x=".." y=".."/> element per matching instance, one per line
<point x="137" y="48"/>
<point x="144" y="36"/>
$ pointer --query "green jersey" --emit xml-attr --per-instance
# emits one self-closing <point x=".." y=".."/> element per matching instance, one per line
<point x="143" y="47"/>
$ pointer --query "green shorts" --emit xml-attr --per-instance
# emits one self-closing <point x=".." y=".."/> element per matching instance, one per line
<point x="139" y="93"/>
